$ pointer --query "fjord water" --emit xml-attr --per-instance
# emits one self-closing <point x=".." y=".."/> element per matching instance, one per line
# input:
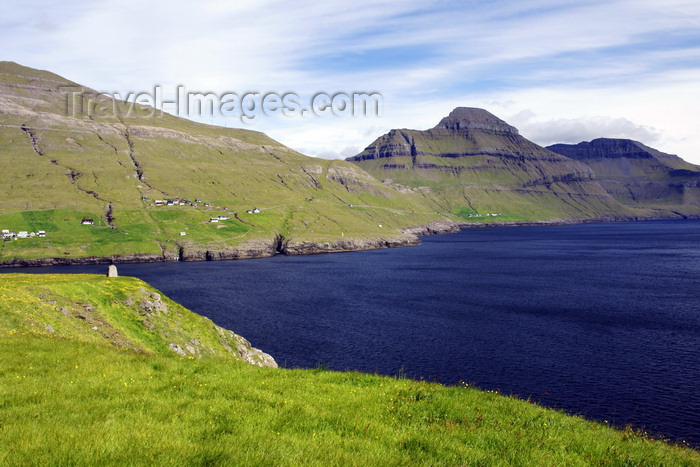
<point x="597" y="319"/>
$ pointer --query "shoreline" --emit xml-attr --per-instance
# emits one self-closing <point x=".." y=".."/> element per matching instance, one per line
<point x="262" y="248"/>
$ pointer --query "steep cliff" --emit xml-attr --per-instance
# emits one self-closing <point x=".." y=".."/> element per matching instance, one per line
<point x="640" y="176"/>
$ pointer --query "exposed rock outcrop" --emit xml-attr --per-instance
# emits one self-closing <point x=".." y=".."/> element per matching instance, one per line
<point x="88" y="260"/>
<point x="311" y="248"/>
<point x="253" y="249"/>
<point x="470" y="118"/>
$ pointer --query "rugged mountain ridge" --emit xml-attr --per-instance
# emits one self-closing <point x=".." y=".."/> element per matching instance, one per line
<point x="64" y="160"/>
<point x="473" y="163"/>
<point x="639" y="176"/>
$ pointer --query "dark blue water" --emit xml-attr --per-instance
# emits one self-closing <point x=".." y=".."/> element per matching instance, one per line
<point x="597" y="319"/>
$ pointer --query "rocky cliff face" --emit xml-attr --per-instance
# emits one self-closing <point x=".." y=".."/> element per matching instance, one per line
<point x="640" y="176"/>
<point x="474" y="163"/>
<point x="612" y="148"/>
<point x="471" y="118"/>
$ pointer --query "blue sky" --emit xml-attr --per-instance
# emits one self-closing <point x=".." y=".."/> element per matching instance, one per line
<point x="559" y="71"/>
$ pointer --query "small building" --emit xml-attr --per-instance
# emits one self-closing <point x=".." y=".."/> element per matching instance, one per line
<point x="41" y="233"/>
<point x="22" y="234"/>
<point x="214" y="220"/>
<point x="223" y="218"/>
<point x="256" y="210"/>
<point x="87" y="222"/>
<point x="5" y="231"/>
<point x="159" y="202"/>
<point x="182" y="234"/>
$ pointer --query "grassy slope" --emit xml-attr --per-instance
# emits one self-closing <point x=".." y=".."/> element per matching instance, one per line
<point x="70" y="399"/>
<point x="124" y="312"/>
<point x="82" y="166"/>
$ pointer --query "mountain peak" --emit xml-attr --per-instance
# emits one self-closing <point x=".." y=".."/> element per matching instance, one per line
<point x="471" y="118"/>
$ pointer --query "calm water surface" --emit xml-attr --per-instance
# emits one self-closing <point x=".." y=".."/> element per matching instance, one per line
<point x="597" y="319"/>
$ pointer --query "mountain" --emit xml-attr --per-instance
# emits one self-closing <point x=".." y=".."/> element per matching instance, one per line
<point x="640" y="176"/>
<point x="474" y="164"/>
<point x="151" y="182"/>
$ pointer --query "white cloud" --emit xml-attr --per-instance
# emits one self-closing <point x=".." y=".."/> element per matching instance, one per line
<point x="575" y="130"/>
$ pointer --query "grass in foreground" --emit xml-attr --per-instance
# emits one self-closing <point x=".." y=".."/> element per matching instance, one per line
<point x="69" y="400"/>
<point x="66" y="402"/>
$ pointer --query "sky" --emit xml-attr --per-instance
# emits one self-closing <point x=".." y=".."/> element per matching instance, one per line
<point x="559" y="71"/>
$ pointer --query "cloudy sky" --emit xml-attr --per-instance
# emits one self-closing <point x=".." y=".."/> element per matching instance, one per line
<point x="560" y="71"/>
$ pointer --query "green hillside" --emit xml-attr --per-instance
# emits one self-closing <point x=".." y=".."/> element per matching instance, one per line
<point x="121" y="312"/>
<point x="111" y="163"/>
<point x="120" y="395"/>
<point x="473" y="164"/>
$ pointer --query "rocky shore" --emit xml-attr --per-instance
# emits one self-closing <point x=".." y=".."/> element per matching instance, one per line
<point x="263" y="248"/>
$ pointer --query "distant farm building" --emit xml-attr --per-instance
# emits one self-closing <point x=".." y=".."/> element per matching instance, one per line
<point x="7" y="234"/>
<point x="87" y="222"/>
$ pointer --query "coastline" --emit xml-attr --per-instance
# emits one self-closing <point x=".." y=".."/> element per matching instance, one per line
<point x="265" y="248"/>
